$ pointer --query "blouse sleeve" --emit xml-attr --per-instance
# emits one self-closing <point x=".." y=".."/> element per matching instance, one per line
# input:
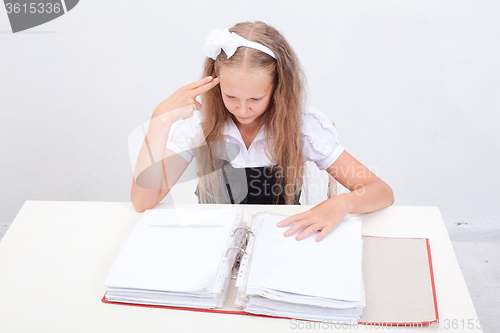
<point x="320" y="138"/>
<point x="183" y="136"/>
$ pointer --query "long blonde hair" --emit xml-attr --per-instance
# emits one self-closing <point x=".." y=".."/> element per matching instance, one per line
<point x="282" y="117"/>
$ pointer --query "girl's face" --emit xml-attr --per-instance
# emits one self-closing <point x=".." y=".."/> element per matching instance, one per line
<point x="246" y="94"/>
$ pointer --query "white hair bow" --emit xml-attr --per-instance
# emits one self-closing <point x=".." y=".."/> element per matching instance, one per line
<point x="219" y="40"/>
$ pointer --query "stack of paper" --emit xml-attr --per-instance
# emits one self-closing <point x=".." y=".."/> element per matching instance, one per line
<point x="176" y="257"/>
<point x="303" y="279"/>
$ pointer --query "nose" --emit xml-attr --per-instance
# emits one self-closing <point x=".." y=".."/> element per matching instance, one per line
<point x="243" y="109"/>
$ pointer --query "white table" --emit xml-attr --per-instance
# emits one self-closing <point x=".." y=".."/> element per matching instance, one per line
<point x="56" y="255"/>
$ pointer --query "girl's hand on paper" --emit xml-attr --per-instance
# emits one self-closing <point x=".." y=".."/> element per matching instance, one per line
<point x="324" y="217"/>
<point x="368" y="193"/>
<point x="182" y="103"/>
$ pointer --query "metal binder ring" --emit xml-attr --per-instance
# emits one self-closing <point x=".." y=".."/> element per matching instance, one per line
<point x="247" y="229"/>
<point x="235" y="247"/>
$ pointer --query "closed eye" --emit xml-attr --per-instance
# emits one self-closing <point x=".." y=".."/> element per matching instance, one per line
<point x="254" y="99"/>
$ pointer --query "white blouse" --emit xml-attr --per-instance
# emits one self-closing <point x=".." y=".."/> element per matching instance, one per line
<point x="319" y="137"/>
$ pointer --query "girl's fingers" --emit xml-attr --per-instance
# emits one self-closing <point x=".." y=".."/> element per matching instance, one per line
<point x="308" y="231"/>
<point x="198" y="83"/>
<point x="326" y="230"/>
<point x="205" y="87"/>
<point x="296" y="227"/>
<point x="184" y="112"/>
<point x="292" y="219"/>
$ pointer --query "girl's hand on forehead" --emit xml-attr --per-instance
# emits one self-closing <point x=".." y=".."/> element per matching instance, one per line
<point x="182" y="103"/>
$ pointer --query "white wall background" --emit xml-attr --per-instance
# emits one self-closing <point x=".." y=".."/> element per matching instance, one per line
<point x="413" y="87"/>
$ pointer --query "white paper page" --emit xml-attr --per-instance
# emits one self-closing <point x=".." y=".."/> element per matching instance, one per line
<point x="330" y="268"/>
<point x="173" y="250"/>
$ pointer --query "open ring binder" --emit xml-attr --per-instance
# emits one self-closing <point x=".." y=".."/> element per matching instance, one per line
<point x="270" y="271"/>
<point x="236" y="248"/>
<point x="248" y="230"/>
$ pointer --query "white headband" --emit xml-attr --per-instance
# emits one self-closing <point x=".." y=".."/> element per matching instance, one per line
<point x="229" y="42"/>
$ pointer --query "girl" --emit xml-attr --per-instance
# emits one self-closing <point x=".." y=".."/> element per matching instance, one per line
<point x="252" y="136"/>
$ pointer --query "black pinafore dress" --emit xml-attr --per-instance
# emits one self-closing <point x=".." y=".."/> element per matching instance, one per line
<point x="261" y="183"/>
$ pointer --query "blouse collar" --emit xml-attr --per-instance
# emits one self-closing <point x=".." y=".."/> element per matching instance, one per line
<point x="232" y="130"/>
